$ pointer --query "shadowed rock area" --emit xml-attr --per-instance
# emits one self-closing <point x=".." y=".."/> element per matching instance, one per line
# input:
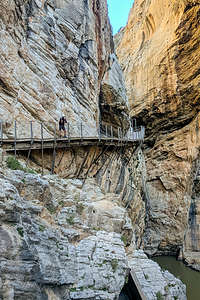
<point x="75" y="235"/>
<point x="159" y="54"/>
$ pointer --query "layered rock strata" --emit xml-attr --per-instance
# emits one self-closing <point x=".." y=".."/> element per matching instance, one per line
<point x="59" y="240"/>
<point x="117" y="170"/>
<point x="153" y="282"/>
<point x="159" y="53"/>
<point x="191" y="247"/>
<point x="57" y="58"/>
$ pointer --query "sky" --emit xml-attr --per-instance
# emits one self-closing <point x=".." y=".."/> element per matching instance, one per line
<point x="118" y="13"/>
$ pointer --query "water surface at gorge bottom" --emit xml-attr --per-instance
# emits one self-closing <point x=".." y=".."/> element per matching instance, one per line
<point x="189" y="277"/>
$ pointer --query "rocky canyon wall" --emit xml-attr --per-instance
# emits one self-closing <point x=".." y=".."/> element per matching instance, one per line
<point x="60" y="239"/>
<point x="117" y="170"/>
<point x="65" y="238"/>
<point x="72" y="235"/>
<point x="57" y="58"/>
<point x="159" y="54"/>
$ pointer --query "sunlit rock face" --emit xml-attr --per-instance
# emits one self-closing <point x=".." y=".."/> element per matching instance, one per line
<point x="59" y="240"/>
<point x="120" y="173"/>
<point x="159" y="53"/>
<point x="54" y="57"/>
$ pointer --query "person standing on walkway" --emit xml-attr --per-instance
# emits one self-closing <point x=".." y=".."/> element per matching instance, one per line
<point x="62" y="122"/>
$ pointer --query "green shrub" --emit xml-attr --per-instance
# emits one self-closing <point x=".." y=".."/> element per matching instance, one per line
<point x="31" y="171"/>
<point x="114" y="264"/>
<point x="70" y="220"/>
<point x="14" y="164"/>
<point x="159" y="296"/>
<point x="77" y="197"/>
<point x="166" y="288"/>
<point x="20" y="230"/>
<point x="61" y="203"/>
<point x="96" y="228"/>
<point x="42" y="228"/>
<point x="126" y="279"/>
<point x="124" y="239"/>
<point x="51" y="209"/>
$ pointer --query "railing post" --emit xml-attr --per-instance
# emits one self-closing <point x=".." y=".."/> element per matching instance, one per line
<point x="42" y="144"/>
<point x="134" y="135"/>
<point x="106" y="130"/>
<point x="111" y="133"/>
<point x="81" y="131"/>
<point x="54" y="151"/>
<point x="118" y="135"/>
<point x="68" y="132"/>
<point x="31" y="123"/>
<point x="29" y="151"/>
<point x="123" y="135"/>
<point x="143" y="132"/>
<point x="1" y="128"/>
<point x="99" y="133"/>
<point x="135" y="122"/>
<point x="15" y="138"/>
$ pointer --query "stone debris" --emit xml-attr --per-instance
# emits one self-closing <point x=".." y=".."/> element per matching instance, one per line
<point x="153" y="281"/>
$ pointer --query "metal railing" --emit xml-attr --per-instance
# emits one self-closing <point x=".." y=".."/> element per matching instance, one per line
<point x="20" y="131"/>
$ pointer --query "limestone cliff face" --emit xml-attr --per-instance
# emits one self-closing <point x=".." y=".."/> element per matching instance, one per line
<point x="61" y="240"/>
<point x="117" y="171"/>
<point x="56" y="58"/>
<point x="58" y="240"/>
<point x="159" y="53"/>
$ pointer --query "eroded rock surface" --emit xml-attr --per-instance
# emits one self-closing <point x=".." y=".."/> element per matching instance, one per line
<point x="55" y="58"/>
<point x="159" y="53"/>
<point x="59" y="241"/>
<point x="191" y="247"/>
<point x="154" y="282"/>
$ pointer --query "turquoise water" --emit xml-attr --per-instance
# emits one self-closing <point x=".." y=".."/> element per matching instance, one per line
<point x="188" y="276"/>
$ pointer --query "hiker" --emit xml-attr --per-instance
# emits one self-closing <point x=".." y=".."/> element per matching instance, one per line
<point x="62" y="122"/>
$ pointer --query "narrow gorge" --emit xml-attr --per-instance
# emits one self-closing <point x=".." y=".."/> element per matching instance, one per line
<point x="82" y="220"/>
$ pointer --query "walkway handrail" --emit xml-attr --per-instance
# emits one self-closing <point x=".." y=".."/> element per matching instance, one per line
<point x="111" y="132"/>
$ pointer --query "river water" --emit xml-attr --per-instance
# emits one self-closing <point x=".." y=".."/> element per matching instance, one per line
<point x="188" y="276"/>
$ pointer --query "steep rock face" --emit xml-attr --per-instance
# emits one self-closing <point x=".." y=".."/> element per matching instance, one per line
<point x="192" y="237"/>
<point x="61" y="240"/>
<point x="159" y="53"/>
<point x="54" y="56"/>
<point x="58" y="240"/>
<point x="117" y="170"/>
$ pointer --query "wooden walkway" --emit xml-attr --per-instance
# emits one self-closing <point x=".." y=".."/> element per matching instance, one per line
<point x="20" y="143"/>
<point x="115" y="137"/>
<point x="105" y="136"/>
<point x="37" y="144"/>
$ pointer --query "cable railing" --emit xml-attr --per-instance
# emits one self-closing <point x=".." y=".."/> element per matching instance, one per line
<point x="44" y="131"/>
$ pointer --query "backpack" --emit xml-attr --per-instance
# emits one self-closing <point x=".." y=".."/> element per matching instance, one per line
<point x="62" y="121"/>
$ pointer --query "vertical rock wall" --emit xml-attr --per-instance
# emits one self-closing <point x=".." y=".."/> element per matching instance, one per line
<point x="119" y="171"/>
<point x="159" y="53"/>
<point x="54" y="56"/>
